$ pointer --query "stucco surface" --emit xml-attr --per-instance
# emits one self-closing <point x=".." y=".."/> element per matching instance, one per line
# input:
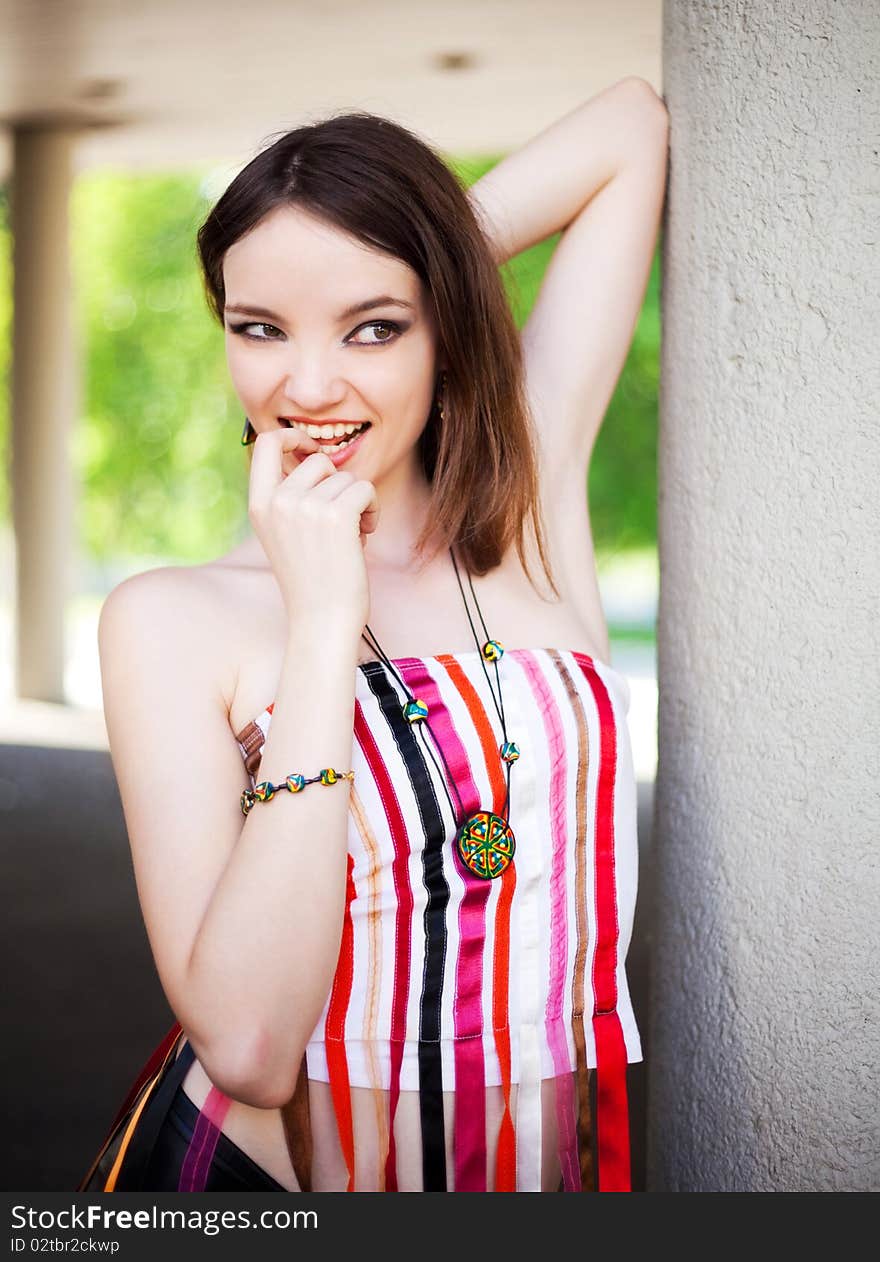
<point x="764" y="1006"/>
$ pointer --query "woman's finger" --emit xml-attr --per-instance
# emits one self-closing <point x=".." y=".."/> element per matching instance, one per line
<point x="331" y="487"/>
<point x="361" y="497"/>
<point x="270" y="447"/>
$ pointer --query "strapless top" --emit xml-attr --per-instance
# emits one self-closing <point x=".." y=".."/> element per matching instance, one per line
<point x="447" y="982"/>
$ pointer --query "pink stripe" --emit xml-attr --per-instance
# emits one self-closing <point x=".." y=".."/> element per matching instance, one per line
<point x="553" y="1018"/>
<point x="402" y="920"/>
<point x="200" y="1153"/>
<point x="469" y="1139"/>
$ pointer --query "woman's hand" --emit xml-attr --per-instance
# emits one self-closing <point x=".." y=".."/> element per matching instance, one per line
<point x="312" y="522"/>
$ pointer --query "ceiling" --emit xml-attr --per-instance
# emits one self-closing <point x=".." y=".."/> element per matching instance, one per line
<point x="158" y="84"/>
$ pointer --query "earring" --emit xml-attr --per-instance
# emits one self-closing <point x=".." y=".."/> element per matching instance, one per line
<point x="248" y="434"/>
<point x="441" y="396"/>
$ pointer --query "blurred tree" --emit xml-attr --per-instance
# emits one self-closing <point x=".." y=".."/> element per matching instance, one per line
<point x="157" y="451"/>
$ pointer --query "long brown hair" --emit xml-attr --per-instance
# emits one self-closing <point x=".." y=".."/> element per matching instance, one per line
<point x="378" y="181"/>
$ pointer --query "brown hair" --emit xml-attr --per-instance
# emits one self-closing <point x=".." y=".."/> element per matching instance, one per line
<point x="376" y="180"/>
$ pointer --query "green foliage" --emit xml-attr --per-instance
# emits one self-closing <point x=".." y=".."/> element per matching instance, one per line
<point x="623" y="470"/>
<point x="157" y="450"/>
<point x="622" y="486"/>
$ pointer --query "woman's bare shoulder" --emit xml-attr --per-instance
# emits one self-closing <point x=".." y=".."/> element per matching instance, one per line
<point x="161" y="589"/>
<point x="196" y="608"/>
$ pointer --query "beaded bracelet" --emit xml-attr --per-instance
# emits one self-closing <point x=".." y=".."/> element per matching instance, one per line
<point x="265" y="790"/>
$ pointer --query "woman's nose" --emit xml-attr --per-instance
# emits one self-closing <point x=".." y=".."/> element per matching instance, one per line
<point x="313" y="386"/>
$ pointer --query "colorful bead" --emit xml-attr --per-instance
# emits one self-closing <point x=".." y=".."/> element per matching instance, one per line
<point x="265" y="791"/>
<point x="492" y="650"/>
<point x="486" y="844"/>
<point x="415" y="711"/>
<point x="510" y="751"/>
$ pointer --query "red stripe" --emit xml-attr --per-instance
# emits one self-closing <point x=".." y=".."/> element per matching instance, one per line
<point x="612" y="1111"/>
<point x="469" y="1127"/>
<point x="612" y="1106"/>
<point x="505" y="1158"/>
<point x="402" y="922"/>
<point x="334" y="1031"/>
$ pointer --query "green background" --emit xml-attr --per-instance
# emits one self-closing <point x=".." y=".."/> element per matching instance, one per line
<point x="157" y="456"/>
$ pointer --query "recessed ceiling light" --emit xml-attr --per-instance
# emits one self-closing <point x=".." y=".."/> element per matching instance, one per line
<point x="455" y="61"/>
<point x="99" y="89"/>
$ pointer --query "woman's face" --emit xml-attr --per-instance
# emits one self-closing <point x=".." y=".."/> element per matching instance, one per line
<point x="298" y="352"/>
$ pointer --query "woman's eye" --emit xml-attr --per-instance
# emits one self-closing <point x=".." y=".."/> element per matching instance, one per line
<point x="385" y="331"/>
<point x="244" y="329"/>
<point x="386" y="325"/>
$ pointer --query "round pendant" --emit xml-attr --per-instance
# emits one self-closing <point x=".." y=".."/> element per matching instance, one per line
<point x="485" y="844"/>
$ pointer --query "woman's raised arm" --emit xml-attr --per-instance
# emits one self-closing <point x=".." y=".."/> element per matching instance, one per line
<point x="540" y="188"/>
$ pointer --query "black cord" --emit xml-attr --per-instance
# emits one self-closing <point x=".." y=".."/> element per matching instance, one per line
<point x="377" y="648"/>
<point x="499" y="709"/>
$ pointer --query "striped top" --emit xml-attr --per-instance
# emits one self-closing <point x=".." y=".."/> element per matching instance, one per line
<point x="447" y="982"/>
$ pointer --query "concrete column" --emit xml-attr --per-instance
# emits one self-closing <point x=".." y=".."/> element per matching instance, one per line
<point x="764" y="1009"/>
<point x="44" y="405"/>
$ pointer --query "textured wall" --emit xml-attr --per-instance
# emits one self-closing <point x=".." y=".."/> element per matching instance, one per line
<point x="764" y="1009"/>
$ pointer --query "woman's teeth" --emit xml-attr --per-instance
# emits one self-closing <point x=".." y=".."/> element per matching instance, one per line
<point x="344" y="443"/>
<point x="316" y="432"/>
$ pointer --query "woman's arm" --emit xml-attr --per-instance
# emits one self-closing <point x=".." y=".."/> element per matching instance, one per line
<point x="244" y="916"/>
<point x="599" y="176"/>
<point x="541" y="187"/>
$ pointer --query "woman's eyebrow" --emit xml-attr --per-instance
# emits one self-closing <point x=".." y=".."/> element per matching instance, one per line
<point x="383" y="300"/>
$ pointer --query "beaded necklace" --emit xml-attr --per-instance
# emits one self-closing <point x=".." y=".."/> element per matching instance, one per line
<point x="484" y="840"/>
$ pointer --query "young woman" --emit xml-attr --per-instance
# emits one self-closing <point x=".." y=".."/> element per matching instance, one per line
<point x="397" y="958"/>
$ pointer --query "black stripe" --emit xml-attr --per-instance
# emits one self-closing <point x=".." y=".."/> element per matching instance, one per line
<point x="434" y="830"/>
<point x="137" y="1156"/>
